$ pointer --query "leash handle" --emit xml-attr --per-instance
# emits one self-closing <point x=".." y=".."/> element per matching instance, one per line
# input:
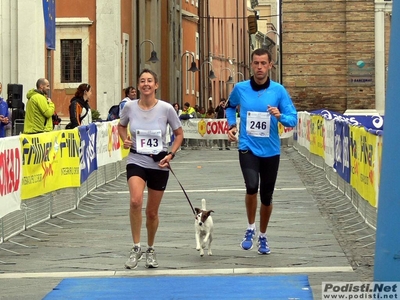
<point x="187" y="197"/>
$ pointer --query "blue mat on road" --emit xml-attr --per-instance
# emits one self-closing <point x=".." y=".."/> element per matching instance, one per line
<point x="192" y="287"/>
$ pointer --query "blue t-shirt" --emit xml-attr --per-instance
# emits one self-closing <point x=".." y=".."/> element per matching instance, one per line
<point x="257" y="101"/>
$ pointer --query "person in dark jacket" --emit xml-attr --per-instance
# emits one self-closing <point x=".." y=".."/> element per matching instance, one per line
<point x="79" y="108"/>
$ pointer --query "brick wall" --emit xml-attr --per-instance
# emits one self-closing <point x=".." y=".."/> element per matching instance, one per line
<point x="322" y="40"/>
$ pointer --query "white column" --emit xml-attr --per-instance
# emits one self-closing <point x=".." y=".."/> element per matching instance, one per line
<point x="379" y="59"/>
<point x="108" y="55"/>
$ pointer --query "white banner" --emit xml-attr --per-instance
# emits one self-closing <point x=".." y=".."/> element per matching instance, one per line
<point x="329" y="142"/>
<point x="216" y="129"/>
<point x="207" y="129"/>
<point x="108" y="143"/>
<point x="303" y="133"/>
<point x="10" y="175"/>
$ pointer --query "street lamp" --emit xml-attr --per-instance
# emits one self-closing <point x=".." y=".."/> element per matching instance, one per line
<point x="211" y="74"/>
<point x="230" y="79"/>
<point x="153" y="57"/>
<point x="193" y="68"/>
<point x="240" y="73"/>
<point x="209" y="86"/>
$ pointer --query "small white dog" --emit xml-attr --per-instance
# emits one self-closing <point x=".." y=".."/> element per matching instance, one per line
<point x="204" y="227"/>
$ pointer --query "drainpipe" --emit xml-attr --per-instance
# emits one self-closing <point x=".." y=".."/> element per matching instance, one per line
<point x="280" y="42"/>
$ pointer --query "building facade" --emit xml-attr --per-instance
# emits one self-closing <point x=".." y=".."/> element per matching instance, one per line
<point x="334" y="53"/>
<point x="328" y="53"/>
<point x="225" y="48"/>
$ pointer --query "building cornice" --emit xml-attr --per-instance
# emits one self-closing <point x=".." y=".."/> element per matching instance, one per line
<point x="190" y="16"/>
<point x="73" y="22"/>
<point x="385" y="6"/>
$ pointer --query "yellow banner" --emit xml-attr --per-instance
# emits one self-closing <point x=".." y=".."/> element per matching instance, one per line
<point x="317" y="130"/>
<point x="363" y="157"/>
<point x="49" y="162"/>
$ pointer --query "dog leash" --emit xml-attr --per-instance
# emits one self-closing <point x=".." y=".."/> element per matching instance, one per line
<point x="187" y="197"/>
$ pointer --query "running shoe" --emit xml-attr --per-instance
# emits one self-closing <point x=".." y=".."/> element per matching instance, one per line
<point x="151" y="261"/>
<point x="135" y="255"/>
<point x="247" y="243"/>
<point x="263" y="247"/>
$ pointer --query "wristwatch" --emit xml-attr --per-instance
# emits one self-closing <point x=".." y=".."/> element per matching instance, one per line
<point x="172" y="154"/>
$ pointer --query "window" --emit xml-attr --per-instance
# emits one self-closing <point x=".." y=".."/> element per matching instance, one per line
<point x="197" y="42"/>
<point x="125" y="62"/>
<point x="71" y="60"/>
<point x="193" y="79"/>
<point x="187" y="74"/>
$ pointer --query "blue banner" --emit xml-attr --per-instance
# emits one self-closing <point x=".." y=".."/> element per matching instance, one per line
<point x="368" y="121"/>
<point x="342" y="150"/>
<point x="88" y="161"/>
<point x="49" y="12"/>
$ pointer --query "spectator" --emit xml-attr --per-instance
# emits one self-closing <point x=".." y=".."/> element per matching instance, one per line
<point x="3" y="114"/>
<point x="177" y="108"/>
<point x="188" y="113"/>
<point x="130" y="94"/>
<point x="79" y="109"/>
<point x="39" y="109"/>
<point x="220" y="112"/>
<point x="201" y="113"/>
<point x="210" y="114"/>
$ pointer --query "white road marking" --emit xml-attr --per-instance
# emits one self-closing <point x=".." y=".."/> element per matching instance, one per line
<point x="152" y="272"/>
<point x="197" y="191"/>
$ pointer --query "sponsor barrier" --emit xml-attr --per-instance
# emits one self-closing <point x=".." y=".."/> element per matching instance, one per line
<point x="349" y="150"/>
<point x="45" y="175"/>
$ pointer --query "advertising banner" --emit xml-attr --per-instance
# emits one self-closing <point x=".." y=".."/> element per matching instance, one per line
<point x="303" y="129"/>
<point x="217" y="129"/>
<point x="108" y="143"/>
<point x="49" y="162"/>
<point x="368" y="121"/>
<point x="10" y="175"/>
<point x="342" y="150"/>
<point x="317" y="135"/>
<point x="329" y="142"/>
<point x="88" y="160"/>
<point x="363" y="156"/>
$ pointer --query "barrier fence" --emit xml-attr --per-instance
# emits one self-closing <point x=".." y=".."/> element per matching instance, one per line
<point x="45" y="175"/>
<point x="348" y="149"/>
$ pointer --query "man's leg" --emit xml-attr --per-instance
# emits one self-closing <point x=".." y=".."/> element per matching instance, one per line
<point x="251" y="207"/>
<point x="250" y="169"/>
<point x="268" y="174"/>
<point x="265" y="214"/>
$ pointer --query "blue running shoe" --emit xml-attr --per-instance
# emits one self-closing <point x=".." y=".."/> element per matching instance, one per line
<point x="263" y="246"/>
<point x="247" y="243"/>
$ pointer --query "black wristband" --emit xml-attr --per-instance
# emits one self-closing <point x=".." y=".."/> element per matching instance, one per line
<point x="232" y="126"/>
<point x="172" y="154"/>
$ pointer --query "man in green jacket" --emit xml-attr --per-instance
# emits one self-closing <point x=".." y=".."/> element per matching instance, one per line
<point x="39" y="109"/>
